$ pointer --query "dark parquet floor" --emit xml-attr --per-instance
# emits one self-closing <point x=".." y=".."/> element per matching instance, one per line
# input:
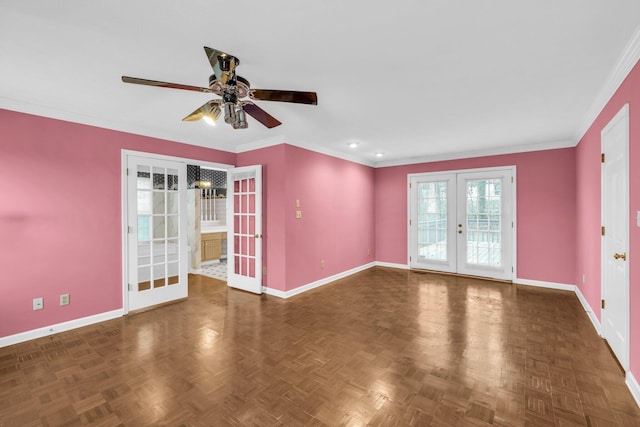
<point x="384" y="347"/>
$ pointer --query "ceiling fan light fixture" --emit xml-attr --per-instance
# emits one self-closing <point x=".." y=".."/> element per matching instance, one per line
<point x="241" y="119"/>
<point x="211" y="114"/>
<point x="229" y="112"/>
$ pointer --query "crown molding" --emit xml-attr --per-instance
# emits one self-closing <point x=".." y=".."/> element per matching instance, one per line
<point x="512" y="149"/>
<point x="282" y="139"/>
<point x="628" y="59"/>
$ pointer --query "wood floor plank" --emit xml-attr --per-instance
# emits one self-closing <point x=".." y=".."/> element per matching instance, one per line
<point x="384" y="347"/>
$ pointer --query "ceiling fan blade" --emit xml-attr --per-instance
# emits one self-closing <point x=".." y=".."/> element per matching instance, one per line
<point x="285" y="96"/>
<point x="210" y="109"/>
<point x="146" y="82"/>
<point x="223" y="64"/>
<point x="260" y="115"/>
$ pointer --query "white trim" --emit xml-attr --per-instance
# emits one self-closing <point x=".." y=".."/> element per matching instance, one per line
<point x="589" y="311"/>
<point x="262" y="143"/>
<point x="628" y="59"/>
<point x="274" y="292"/>
<point x="543" y="284"/>
<point x="511" y="149"/>
<point x="170" y="158"/>
<point x="392" y="265"/>
<point x="59" y="327"/>
<point x="317" y="283"/>
<point x="270" y="142"/>
<point x="633" y="386"/>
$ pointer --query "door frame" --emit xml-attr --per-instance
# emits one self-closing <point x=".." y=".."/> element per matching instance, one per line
<point x="514" y="231"/>
<point x="124" y="154"/>
<point x="622" y="114"/>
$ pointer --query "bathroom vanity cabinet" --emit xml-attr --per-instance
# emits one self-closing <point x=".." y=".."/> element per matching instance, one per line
<point x="211" y="245"/>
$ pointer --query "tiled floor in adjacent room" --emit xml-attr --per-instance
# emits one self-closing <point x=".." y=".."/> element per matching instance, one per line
<point x="383" y="347"/>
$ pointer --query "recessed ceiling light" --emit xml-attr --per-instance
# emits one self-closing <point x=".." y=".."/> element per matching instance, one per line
<point x="353" y="144"/>
<point x="379" y="154"/>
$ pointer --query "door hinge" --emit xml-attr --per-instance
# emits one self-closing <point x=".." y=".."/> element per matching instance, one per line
<point x="410" y="259"/>
<point x="602" y="230"/>
<point x="512" y="180"/>
<point x="127" y="171"/>
<point x="129" y="286"/>
<point x="409" y="222"/>
<point x="129" y="229"/>
<point x="602" y="303"/>
<point x="409" y="185"/>
<point x="602" y="158"/>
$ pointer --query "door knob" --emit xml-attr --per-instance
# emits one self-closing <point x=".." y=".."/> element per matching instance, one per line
<point x="459" y="231"/>
<point x="622" y="256"/>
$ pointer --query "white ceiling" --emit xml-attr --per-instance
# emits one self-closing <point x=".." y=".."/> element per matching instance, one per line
<point x="413" y="80"/>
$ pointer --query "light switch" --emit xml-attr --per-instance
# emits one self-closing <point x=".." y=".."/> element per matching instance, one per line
<point x="638" y="218"/>
<point x="297" y="203"/>
<point x="298" y="214"/>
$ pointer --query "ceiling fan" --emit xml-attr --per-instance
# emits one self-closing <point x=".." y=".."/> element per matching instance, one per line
<point x="236" y="94"/>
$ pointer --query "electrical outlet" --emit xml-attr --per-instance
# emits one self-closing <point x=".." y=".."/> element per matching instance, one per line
<point x="298" y="214"/>
<point x="369" y="252"/>
<point x="38" y="303"/>
<point x="322" y="264"/>
<point x="64" y="299"/>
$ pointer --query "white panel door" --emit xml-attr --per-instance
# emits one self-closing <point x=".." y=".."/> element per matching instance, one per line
<point x="615" y="242"/>
<point x="244" y="204"/>
<point x="462" y="222"/>
<point x="157" y="242"/>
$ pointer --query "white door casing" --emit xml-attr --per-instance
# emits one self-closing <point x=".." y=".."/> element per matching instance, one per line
<point x="615" y="241"/>
<point x="462" y="222"/>
<point x="244" y="205"/>
<point x="156" y="231"/>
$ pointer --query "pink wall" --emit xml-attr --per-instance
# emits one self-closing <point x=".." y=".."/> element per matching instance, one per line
<point x="337" y="225"/>
<point x="545" y="210"/>
<point x="588" y="204"/>
<point x="60" y="210"/>
<point x="336" y="201"/>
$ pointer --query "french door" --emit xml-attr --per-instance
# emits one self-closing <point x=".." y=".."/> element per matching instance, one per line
<point x="462" y="222"/>
<point x="244" y="204"/>
<point x="156" y="232"/>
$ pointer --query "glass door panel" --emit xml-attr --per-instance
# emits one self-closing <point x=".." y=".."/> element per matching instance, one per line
<point x="432" y="238"/>
<point x="157" y="242"/>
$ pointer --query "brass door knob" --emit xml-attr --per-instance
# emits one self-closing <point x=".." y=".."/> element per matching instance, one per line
<point x="622" y="256"/>
<point x="459" y="231"/>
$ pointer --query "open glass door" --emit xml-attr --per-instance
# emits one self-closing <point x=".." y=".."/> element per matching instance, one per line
<point x="244" y="204"/>
<point x="157" y="244"/>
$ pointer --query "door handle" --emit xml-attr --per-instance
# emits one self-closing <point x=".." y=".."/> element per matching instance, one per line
<point x="622" y="256"/>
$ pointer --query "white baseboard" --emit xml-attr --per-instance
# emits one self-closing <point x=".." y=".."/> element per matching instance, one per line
<point x="633" y="386"/>
<point x="548" y="285"/>
<point x="392" y="265"/>
<point x="317" y="283"/>
<point x="60" y="327"/>
<point x="589" y="311"/>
